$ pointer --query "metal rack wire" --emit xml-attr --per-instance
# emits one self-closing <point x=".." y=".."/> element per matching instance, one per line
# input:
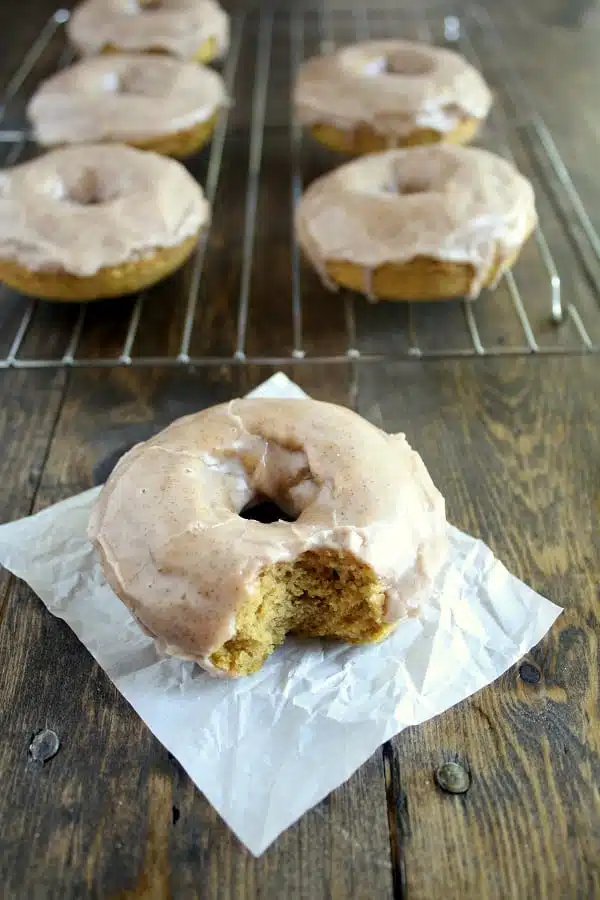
<point x="535" y="312"/>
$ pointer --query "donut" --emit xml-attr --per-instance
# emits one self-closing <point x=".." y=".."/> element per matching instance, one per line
<point x="148" y="101"/>
<point x="83" y="223"/>
<point x="425" y="223"/>
<point x="189" y="29"/>
<point x="377" y="95"/>
<point x="367" y="534"/>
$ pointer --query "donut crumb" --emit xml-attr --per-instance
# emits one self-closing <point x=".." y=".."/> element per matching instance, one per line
<point x="322" y="594"/>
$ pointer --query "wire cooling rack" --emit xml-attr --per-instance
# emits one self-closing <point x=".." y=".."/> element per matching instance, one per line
<point x="246" y="296"/>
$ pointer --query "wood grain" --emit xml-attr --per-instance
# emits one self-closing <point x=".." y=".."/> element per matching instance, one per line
<point x="29" y="406"/>
<point x="514" y="451"/>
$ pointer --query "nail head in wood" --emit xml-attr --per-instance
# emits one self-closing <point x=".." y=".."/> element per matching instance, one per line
<point x="529" y="673"/>
<point x="453" y="778"/>
<point x="44" y="745"/>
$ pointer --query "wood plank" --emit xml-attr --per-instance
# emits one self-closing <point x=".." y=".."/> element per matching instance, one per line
<point x="537" y="37"/>
<point x="112" y="814"/>
<point x="29" y="406"/>
<point x="513" y="448"/>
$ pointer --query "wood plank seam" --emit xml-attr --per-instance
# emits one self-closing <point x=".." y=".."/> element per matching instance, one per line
<point x="398" y="819"/>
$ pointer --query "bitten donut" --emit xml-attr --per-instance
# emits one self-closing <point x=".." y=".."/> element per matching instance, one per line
<point x="382" y="94"/>
<point x="189" y="29"/>
<point x="83" y="223"/>
<point x="426" y="223"/>
<point x="368" y="534"/>
<point x="148" y="101"/>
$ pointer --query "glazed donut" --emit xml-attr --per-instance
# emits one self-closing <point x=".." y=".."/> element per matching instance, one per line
<point x="189" y="29"/>
<point x="88" y="222"/>
<point x="427" y="223"/>
<point x="368" y="536"/>
<point x="378" y="95"/>
<point x="148" y="101"/>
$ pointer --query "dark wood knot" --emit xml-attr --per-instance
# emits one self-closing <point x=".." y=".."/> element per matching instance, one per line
<point x="529" y="673"/>
<point x="44" y="745"/>
<point x="453" y="778"/>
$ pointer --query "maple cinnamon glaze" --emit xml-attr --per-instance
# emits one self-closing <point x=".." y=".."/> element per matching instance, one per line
<point x="176" y="551"/>
<point x="83" y="208"/>
<point x="131" y="98"/>
<point x="96" y="221"/>
<point x="188" y="29"/>
<point x="413" y="219"/>
<point x="379" y="94"/>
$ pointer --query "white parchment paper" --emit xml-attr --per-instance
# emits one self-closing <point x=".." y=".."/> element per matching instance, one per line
<point x="265" y="748"/>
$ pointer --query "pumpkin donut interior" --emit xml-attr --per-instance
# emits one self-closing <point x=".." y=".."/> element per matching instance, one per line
<point x="322" y="594"/>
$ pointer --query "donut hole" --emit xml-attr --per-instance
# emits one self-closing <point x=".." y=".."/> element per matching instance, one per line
<point x="137" y="81"/>
<point x="262" y="509"/>
<point x="87" y="189"/>
<point x="132" y="81"/>
<point x="412" y="63"/>
<point x="282" y="482"/>
<point x="413" y="186"/>
<point x="322" y="594"/>
<point x="406" y="187"/>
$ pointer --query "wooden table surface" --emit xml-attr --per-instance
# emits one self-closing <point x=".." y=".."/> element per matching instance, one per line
<point x="512" y="442"/>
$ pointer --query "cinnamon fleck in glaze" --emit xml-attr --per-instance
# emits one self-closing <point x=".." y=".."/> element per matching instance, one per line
<point x="80" y="209"/>
<point x="176" y="551"/>
<point x="445" y="202"/>
<point x="122" y="97"/>
<point x="178" y="27"/>
<point x="393" y="86"/>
